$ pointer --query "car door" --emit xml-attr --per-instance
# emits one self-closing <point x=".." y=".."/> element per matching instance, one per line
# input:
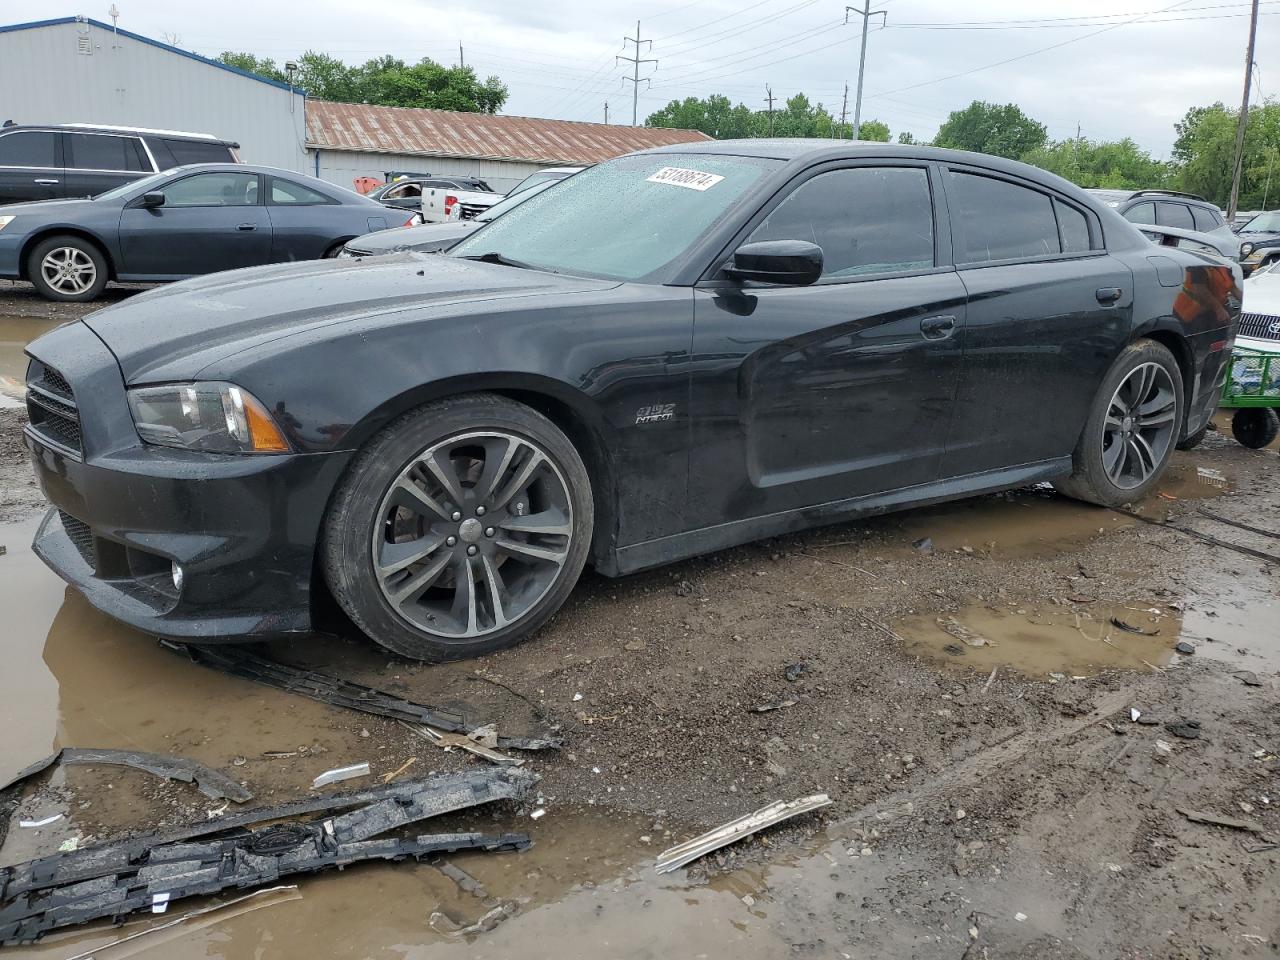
<point x="97" y="162"/>
<point x="809" y="395"/>
<point x="1048" y="310"/>
<point x="208" y="222"/>
<point x="306" y="224"/>
<point x="404" y="196"/>
<point x="30" y="166"/>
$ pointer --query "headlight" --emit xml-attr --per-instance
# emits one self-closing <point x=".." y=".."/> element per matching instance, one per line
<point x="213" y="417"/>
<point x="1246" y="249"/>
<point x="5" y="221"/>
<point x="1255" y="256"/>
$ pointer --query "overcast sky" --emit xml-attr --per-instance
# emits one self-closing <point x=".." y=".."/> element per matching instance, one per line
<point x="1116" y="72"/>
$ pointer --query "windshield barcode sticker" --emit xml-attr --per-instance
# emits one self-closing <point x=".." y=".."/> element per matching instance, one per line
<point x="680" y="177"/>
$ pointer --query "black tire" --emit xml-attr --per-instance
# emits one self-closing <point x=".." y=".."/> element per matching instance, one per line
<point x="370" y="515"/>
<point x="86" y="274"/>
<point x="1193" y="440"/>
<point x="1255" y="427"/>
<point x="333" y="251"/>
<point x="1090" y="479"/>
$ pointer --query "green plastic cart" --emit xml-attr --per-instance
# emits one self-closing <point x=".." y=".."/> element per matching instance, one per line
<point x="1252" y="389"/>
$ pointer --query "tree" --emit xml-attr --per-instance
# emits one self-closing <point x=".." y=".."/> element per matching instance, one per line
<point x="1119" y="165"/>
<point x="874" y="130"/>
<point x="797" y="117"/>
<point x="1004" y="131"/>
<point x="1204" y="152"/>
<point x="905" y="137"/>
<point x="386" y="81"/>
<point x="251" y="64"/>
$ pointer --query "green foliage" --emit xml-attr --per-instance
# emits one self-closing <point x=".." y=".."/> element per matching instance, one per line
<point x="1204" y="153"/>
<point x="905" y="137"/>
<point x="248" y="62"/>
<point x="386" y="81"/>
<point x="797" y="117"/>
<point x="1004" y="131"/>
<point x="1121" y="165"/>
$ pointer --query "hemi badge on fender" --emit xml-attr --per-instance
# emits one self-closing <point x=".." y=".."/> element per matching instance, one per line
<point x="1218" y="345"/>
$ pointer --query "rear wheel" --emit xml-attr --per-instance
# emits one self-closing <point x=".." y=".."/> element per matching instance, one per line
<point x="1129" y="436"/>
<point x="67" y="268"/>
<point x="1255" y="427"/>
<point x="459" y="529"/>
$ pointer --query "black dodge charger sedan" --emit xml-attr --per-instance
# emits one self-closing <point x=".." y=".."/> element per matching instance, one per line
<point x="673" y="352"/>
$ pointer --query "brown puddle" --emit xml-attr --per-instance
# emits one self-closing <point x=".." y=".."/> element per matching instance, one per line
<point x="1038" y="641"/>
<point x="15" y="334"/>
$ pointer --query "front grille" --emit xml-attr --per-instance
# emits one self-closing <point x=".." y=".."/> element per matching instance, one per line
<point x="51" y="407"/>
<point x="472" y="210"/>
<point x="81" y="538"/>
<point x="1263" y="325"/>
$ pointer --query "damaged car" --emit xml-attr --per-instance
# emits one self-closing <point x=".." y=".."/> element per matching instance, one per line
<point x="671" y="353"/>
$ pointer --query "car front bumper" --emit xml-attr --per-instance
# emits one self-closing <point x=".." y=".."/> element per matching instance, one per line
<point x="127" y="515"/>
<point x="10" y="255"/>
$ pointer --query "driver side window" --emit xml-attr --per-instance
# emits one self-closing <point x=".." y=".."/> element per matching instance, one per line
<point x="213" y="190"/>
<point x="867" y="220"/>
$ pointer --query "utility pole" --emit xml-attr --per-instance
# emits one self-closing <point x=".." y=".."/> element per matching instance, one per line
<point x="1243" y="121"/>
<point x="635" y="76"/>
<point x="462" y="61"/>
<point x="844" y="110"/>
<point x="606" y="111"/>
<point x="866" y="13"/>
<point x="769" y="100"/>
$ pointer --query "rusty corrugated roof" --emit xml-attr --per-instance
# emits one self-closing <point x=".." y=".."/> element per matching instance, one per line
<point x="480" y="136"/>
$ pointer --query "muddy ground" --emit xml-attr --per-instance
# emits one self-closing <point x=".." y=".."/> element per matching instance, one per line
<point x="992" y="801"/>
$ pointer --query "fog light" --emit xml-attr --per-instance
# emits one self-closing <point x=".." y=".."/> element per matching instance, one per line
<point x="178" y="577"/>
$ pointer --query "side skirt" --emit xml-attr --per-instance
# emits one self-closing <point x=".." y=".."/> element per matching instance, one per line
<point x="680" y="546"/>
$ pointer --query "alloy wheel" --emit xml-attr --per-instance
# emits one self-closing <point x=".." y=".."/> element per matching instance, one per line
<point x="472" y="534"/>
<point x="1140" y="425"/>
<point x="68" y="270"/>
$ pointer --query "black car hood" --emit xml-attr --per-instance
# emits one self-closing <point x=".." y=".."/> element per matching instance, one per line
<point x="1260" y="239"/>
<point x="173" y="332"/>
<point x="428" y="237"/>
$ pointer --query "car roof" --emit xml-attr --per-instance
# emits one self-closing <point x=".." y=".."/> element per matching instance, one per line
<point x="108" y="128"/>
<point x="812" y="150"/>
<point x="1120" y="196"/>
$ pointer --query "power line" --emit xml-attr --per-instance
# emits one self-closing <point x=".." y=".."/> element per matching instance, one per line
<point x="999" y="24"/>
<point x="1030" y="53"/>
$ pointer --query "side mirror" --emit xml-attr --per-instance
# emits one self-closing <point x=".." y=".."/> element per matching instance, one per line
<point x="793" y="262"/>
<point x="152" y="198"/>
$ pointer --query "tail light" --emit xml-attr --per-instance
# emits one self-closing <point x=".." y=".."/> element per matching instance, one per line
<point x="409" y="222"/>
<point x="450" y="201"/>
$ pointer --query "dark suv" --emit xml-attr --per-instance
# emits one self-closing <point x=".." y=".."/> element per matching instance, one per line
<point x="1168" y="208"/>
<point x="78" y="160"/>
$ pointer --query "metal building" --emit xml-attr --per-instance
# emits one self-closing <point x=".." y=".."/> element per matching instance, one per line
<point x="76" y="70"/>
<point x="351" y="140"/>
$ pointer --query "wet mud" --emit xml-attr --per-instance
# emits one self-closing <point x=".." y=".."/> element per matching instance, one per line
<point x="1020" y="815"/>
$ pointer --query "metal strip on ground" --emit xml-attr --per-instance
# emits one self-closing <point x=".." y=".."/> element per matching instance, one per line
<point x="341" y="693"/>
<point x="744" y="826"/>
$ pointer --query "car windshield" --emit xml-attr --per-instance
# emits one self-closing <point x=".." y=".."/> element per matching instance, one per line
<point x="533" y="180"/>
<point x="125" y="188"/>
<point x="1268" y="222"/>
<point x="626" y="219"/>
<point x="512" y="200"/>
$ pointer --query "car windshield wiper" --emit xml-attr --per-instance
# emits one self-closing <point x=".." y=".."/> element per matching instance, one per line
<point x="493" y="256"/>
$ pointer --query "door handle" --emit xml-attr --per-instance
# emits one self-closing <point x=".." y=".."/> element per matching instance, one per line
<point x="247" y="226"/>
<point x="937" y="328"/>
<point x="1108" y="295"/>
<point x="46" y="181"/>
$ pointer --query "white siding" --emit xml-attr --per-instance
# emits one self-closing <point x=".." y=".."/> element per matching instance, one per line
<point x="44" y="79"/>
<point x="343" y="166"/>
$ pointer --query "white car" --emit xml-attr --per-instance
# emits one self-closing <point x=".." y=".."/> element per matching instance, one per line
<point x="1260" y="313"/>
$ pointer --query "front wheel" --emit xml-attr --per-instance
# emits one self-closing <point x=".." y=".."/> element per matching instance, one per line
<point x="1132" y="427"/>
<point x="1255" y="427"/>
<point x="68" y="269"/>
<point x="459" y="529"/>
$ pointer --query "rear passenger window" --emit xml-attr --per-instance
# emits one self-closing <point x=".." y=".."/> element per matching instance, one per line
<point x="1205" y="219"/>
<point x="867" y="220"/>
<point x="94" y="151"/>
<point x="286" y="192"/>
<point x="28" y="149"/>
<point x="999" y="220"/>
<point x="1174" y="215"/>
<point x="1141" y="213"/>
<point x="195" y="151"/>
<point x="1073" y="228"/>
